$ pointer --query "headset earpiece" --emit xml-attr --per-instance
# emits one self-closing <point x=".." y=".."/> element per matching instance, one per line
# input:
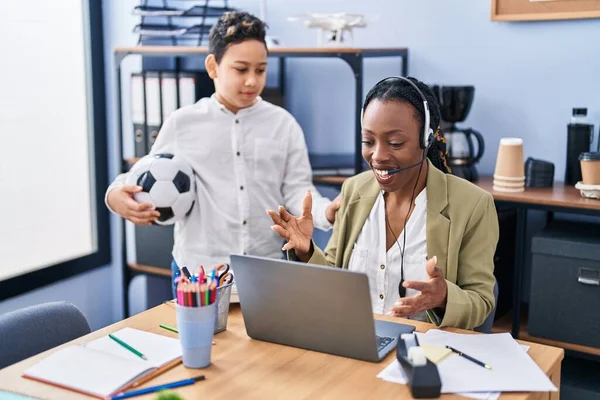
<point x="429" y="140"/>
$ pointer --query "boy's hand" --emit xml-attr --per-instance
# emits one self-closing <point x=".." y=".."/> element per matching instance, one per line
<point x="332" y="209"/>
<point x="121" y="200"/>
<point x="297" y="231"/>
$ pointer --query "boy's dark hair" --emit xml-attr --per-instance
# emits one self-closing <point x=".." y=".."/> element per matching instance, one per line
<point x="399" y="90"/>
<point x="235" y="27"/>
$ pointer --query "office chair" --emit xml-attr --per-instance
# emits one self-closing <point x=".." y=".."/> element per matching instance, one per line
<point x="32" y="330"/>
<point x="486" y="327"/>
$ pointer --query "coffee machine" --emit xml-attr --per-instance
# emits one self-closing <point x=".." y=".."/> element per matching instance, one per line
<point x="465" y="145"/>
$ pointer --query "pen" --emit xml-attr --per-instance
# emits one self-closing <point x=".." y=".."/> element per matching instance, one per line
<point x="128" y="347"/>
<point x="460" y="353"/>
<point x="169" y="328"/>
<point x="153" y="389"/>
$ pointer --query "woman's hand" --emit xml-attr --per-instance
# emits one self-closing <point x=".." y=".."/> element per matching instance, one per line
<point x="433" y="293"/>
<point x="297" y="231"/>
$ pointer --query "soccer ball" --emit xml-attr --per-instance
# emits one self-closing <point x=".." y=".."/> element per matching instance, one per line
<point x="167" y="183"/>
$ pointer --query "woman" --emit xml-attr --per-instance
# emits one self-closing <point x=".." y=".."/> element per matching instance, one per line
<point x="425" y="239"/>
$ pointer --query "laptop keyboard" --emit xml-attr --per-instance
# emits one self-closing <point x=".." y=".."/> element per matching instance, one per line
<point x="383" y="341"/>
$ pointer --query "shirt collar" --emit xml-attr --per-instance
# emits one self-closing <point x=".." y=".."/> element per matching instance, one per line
<point x="243" y="111"/>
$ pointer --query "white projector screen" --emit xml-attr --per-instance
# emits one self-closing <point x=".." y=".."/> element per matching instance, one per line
<point x="47" y="212"/>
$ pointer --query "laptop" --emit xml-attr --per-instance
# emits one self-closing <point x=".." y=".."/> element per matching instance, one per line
<point x="313" y="307"/>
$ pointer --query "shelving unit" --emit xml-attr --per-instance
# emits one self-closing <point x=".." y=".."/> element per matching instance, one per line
<point x="163" y="29"/>
<point x="353" y="57"/>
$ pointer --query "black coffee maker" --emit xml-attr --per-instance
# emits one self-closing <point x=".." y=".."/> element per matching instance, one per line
<point x="455" y="103"/>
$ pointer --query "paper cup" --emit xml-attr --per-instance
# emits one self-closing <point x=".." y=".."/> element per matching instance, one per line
<point x="509" y="184"/>
<point x="509" y="162"/>
<point x="196" y="331"/>
<point x="590" y="168"/>
<point x="508" y="189"/>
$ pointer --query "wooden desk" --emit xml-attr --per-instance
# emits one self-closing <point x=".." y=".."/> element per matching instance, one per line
<point x="559" y="198"/>
<point x="246" y="368"/>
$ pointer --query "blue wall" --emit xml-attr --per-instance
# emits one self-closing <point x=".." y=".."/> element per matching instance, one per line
<point x="527" y="76"/>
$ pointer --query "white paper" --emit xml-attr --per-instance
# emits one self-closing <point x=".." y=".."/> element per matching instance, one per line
<point x="395" y="374"/>
<point x="460" y="379"/>
<point x="512" y="368"/>
<point x="481" y="395"/>
<point x="158" y="349"/>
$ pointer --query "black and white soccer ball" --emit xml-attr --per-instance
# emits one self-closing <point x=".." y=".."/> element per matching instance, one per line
<point x="168" y="183"/>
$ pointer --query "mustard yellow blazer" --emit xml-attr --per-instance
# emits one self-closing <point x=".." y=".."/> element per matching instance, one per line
<point x="462" y="231"/>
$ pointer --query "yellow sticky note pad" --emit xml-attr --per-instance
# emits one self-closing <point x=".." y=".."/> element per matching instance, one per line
<point x="435" y="354"/>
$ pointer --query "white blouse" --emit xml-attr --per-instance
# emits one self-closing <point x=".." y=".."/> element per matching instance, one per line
<point x="383" y="268"/>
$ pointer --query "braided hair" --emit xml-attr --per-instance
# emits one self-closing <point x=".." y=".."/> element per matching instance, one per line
<point x="399" y="90"/>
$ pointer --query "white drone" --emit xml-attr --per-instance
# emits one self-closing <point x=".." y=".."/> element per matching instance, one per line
<point x="334" y="25"/>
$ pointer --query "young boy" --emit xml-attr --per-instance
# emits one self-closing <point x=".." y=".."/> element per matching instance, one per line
<point x="248" y="156"/>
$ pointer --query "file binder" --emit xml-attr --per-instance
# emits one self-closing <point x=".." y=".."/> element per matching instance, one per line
<point x="138" y="115"/>
<point x="168" y="94"/>
<point x="187" y="89"/>
<point x="156" y="94"/>
<point x="153" y="108"/>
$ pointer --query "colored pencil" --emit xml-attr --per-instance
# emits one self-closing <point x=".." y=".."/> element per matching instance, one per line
<point x="128" y="347"/>
<point x="169" y="328"/>
<point x="158" y="388"/>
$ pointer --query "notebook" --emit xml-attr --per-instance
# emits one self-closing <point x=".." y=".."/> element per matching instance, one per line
<point x="103" y="368"/>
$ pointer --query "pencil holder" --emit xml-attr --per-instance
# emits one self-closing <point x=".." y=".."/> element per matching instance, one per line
<point x="196" y="331"/>
<point x="223" y="299"/>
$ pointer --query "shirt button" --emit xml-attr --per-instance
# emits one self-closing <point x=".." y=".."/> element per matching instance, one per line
<point x="381" y="296"/>
<point x="237" y="121"/>
<point x="245" y="253"/>
<point x="238" y="154"/>
<point x="241" y="188"/>
<point x="382" y="266"/>
<point x="245" y="222"/>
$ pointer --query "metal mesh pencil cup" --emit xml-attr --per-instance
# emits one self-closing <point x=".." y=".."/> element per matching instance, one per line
<point x="223" y="298"/>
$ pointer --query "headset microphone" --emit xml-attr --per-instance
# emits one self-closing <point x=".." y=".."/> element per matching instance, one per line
<point x="397" y="170"/>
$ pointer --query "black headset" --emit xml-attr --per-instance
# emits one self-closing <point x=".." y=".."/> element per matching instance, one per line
<point x="426" y="137"/>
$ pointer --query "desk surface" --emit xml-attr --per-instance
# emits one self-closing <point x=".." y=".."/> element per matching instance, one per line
<point x="560" y="195"/>
<point x="246" y="368"/>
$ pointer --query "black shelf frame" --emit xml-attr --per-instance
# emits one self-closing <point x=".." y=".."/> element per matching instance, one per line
<point x="353" y="57"/>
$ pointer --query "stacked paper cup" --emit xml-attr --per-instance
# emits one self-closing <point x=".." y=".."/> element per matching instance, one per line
<point x="509" y="174"/>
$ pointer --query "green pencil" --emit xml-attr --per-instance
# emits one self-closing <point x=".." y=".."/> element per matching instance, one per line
<point x="128" y="347"/>
<point x="169" y="328"/>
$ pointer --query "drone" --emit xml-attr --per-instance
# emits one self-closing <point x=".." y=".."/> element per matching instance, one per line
<point x="334" y="25"/>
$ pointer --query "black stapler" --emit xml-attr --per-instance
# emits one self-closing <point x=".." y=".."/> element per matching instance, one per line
<point x="423" y="376"/>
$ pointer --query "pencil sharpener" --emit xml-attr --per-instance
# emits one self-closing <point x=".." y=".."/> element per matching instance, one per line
<point x="423" y="376"/>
